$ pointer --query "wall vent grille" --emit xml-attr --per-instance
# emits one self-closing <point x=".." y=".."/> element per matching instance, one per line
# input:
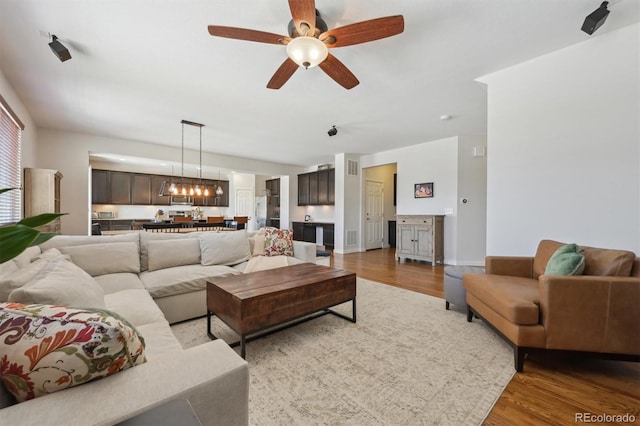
<point x="352" y="168"/>
<point x="352" y="238"/>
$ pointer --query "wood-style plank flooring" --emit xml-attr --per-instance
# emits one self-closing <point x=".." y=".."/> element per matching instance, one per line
<point x="550" y="391"/>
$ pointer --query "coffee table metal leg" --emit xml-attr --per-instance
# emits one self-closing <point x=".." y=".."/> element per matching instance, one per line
<point x="243" y="343"/>
<point x="209" y="333"/>
<point x="353" y="310"/>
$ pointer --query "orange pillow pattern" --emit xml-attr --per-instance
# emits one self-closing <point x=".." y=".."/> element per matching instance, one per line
<point x="48" y="348"/>
<point x="278" y="242"/>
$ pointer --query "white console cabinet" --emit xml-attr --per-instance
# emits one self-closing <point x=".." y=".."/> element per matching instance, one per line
<point x="420" y="237"/>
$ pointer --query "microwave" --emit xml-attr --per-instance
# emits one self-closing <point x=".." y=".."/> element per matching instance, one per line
<point x="181" y="200"/>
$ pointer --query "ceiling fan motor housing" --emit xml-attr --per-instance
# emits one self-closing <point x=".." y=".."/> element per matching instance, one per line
<point x="321" y="27"/>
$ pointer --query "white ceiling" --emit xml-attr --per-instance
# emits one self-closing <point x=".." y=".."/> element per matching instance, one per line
<point x="141" y="66"/>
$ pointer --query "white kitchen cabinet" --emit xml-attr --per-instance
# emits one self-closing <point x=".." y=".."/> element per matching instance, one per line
<point x="42" y="195"/>
<point x="420" y="237"/>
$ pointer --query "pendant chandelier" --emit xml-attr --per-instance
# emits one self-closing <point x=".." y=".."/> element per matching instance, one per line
<point x="192" y="190"/>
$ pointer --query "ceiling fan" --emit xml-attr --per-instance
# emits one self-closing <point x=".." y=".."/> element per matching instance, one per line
<point x="309" y="41"/>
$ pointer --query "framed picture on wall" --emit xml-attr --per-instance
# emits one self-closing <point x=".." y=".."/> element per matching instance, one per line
<point x="423" y="190"/>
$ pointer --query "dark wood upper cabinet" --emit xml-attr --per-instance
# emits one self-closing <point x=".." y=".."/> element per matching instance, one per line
<point x="313" y="189"/>
<point x="100" y="193"/>
<point x="120" y="188"/>
<point x="316" y="188"/>
<point x="331" y="199"/>
<point x="140" y="189"/>
<point x="303" y="189"/>
<point x="156" y="186"/>
<point x="323" y="187"/>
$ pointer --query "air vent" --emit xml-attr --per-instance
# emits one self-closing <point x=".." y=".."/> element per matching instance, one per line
<point x="352" y="168"/>
<point x="324" y="166"/>
<point x="352" y="238"/>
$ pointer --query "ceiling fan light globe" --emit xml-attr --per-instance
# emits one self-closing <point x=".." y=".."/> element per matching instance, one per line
<point x="307" y="51"/>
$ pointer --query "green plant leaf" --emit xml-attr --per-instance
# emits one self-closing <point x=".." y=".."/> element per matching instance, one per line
<point x="42" y="237"/>
<point x="3" y="190"/>
<point x="39" y="220"/>
<point x="14" y="239"/>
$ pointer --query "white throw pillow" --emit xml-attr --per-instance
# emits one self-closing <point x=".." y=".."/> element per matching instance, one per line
<point x="258" y="245"/>
<point x="60" y="282"/>
<point x="105" y="258"/>
<point x="170" y="253"/>
<point x="224" y="247"/>
<point x="20" y="277"/>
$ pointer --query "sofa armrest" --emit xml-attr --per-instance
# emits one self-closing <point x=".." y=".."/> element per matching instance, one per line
<point x="509" y="265"/>
<point x="591" y="313"/>
<point x="304" y="251"/>
<point x="211" y="376"/>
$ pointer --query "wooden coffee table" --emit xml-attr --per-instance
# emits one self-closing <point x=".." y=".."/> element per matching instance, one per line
<point x="258" y="301"/>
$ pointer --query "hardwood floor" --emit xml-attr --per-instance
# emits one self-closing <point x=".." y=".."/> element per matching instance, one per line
<point x="550" y="391"/>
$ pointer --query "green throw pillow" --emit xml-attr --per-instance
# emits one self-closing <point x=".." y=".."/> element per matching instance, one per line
<point x="567" y="260"/>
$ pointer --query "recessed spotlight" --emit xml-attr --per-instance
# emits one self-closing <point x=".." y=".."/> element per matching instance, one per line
<point x="445" y="117"/>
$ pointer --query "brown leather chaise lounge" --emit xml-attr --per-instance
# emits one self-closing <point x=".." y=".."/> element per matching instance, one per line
<point x="596" y="313"/>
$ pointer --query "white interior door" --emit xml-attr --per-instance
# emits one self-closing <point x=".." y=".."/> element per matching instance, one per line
<point x="245" y="205"/>
<point x="374" y="215"/>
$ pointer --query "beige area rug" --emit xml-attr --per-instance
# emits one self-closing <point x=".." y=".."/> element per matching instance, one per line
<point x="407" y="361"/>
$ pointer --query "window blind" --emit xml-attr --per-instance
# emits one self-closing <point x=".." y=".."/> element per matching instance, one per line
<point x="10" y="177"/>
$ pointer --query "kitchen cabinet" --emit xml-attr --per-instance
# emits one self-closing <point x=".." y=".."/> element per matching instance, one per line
<point x="303" y="189"/>
<point x="120" y="187"/>
<point x="42" y="195"/>
<point x="306" y="231"/>
<point x="273" y="187"/>
<point x="420" y="237"/>
<point x="115" y="187"/>
<point x="316" y="188"/>
<point x="156" y="186"/>
<point x="100" y="193"/>
<point x="140" y="189"/>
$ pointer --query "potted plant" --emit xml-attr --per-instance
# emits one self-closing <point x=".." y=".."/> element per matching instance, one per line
<point x="15" y="238"/>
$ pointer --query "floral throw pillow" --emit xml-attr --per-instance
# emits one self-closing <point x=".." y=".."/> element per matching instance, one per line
<point x="278" y="242"/>
<point x="47" y="348"/>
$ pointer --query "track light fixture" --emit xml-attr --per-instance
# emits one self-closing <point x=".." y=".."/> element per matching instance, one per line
<point x="59" y="50"/>
<point x="333" y="131"/>
<point x="595" y="19"/>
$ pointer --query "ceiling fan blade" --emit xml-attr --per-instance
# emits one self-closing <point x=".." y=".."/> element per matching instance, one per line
<point x="248" y="35"/>
<point x="303" y="11"/>
<point x="283" y="74"/>
<point x="337" y="71"/>
<point x="362" y="32"/>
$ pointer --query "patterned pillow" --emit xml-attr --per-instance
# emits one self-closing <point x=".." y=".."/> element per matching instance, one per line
<point x="47" y="348"/>
<point x="278" y="242"/>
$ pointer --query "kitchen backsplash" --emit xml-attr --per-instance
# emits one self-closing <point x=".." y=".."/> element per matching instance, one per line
<point x="149" y="212"/>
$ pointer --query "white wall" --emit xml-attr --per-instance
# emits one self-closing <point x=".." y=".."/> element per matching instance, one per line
<point x="564" y="147"/>
<point x="471" y="231"/>
<point x="449" y="164"/>
<point x="69" y="153"/>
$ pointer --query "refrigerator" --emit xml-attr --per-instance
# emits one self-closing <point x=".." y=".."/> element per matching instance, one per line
<point x="261" y="211"/>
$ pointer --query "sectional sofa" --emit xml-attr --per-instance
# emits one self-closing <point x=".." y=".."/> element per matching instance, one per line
<point x="149" y="280"/>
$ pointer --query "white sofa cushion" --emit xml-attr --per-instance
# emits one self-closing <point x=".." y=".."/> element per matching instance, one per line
<point x="60" y="282"/>
<point x="113" y="283"/>
<point x="159" y="339"/>
<point x="135" y="305"/>
<point x="261" y="263"/>
<point x="26" y="257"/>
<point x="79" y="240"/>
<point x="105" y="258"/>
<point x="224" y="248"/>
<point x="169" y="253"/>
<point x="182" y="279"/>
<point x="147" y="237"/>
